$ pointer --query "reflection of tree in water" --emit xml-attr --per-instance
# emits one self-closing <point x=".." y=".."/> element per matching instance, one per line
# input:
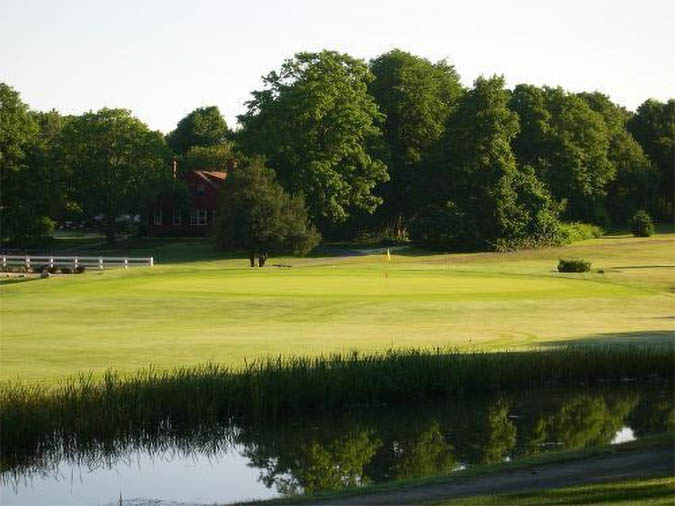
<point x="309" y="463"/>
<point x="343" y="454"/>
<point x="426" y="454"/>
<point x="655" y="413"/>
<point x="581" y="421"/>
<point x="499" y="433"/>
<point x="339" y="463"/>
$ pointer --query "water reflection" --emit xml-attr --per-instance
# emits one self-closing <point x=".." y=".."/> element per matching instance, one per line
<point x="343" y="450"/>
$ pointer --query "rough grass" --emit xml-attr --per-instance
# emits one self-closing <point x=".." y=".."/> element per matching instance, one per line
<point x="195" y="307"/>
<point x="658" y="491"/>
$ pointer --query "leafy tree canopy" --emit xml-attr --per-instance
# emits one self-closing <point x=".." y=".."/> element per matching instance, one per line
<point x="204" y="126"/>
<point x="258" y="216"/>
<point x="416" y="96"/>
<point x="115" y="160"/>
<point x="209" y="157"/>
<point x="315" y="123"/>
<point x="32" y="188"/>
<point x="653" y="126"/>
<point x="634" y="184"/>
<point x="482" y="199"/>
<point x="567" y="143"/>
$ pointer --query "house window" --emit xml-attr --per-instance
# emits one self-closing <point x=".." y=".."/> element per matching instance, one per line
<point x="198" y="217"/>
<point x="157" y="218"/>
<point x="177" y="218"/>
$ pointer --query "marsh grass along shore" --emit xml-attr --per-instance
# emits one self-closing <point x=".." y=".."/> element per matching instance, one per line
<point x="271" y="389"/>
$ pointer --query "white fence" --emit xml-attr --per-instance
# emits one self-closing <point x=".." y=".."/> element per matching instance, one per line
<point x="30" y="261"/>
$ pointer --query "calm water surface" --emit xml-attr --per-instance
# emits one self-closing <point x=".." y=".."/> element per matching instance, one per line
<point x="227" y="463"/>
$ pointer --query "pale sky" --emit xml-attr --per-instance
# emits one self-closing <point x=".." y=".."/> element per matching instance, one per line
<point x="162" y="59"/>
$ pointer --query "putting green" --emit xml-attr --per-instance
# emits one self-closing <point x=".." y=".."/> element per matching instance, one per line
<point x="191" y="312"/>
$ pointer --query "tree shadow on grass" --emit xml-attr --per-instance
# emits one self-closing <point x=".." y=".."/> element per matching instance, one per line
<point x="644" y="337"/>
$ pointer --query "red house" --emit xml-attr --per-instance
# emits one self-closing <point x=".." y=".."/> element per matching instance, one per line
<point x="204" y="186"/>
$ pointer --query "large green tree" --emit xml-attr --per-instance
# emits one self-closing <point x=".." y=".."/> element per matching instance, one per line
<point x="417" y="97"/>
<point x="204" y="127"/>
<point x="635" y="181"/>
<point x="567" y="144"/>
<point x="29" y="186"/>
<point x="46" y="160"/>
<point x="653" y="126"/>
<point x="115" y="161"/>
<point x="315" y="123"/>
<point x="258" y="216"/>
<point x="480" y="198"/>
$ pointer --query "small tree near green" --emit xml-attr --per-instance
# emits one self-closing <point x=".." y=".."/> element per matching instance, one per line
<point x="258" y="216"/>
<point x="641" y="224"/>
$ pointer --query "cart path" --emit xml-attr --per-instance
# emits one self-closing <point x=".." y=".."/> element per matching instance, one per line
<point x="606" y="468"/>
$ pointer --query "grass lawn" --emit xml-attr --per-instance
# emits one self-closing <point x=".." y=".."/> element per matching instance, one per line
<point x="644" y="492"/>
<point x="184" y="312"/>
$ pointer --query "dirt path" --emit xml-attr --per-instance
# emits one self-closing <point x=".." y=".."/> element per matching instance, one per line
<point x="658" y="461"/>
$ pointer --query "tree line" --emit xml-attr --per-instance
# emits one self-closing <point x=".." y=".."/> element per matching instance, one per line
<point x="332" y="145"/>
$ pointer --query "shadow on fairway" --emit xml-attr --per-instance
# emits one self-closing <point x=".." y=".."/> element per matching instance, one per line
<point x="647" y="337"/>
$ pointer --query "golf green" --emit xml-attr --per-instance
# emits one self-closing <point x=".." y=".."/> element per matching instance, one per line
<point x="186" y="313"/>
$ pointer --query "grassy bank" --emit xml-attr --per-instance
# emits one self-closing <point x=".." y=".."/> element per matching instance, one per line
<point x="33" y="415"/>
<point x="196" y="306"/>
<point x="657" y="491"/>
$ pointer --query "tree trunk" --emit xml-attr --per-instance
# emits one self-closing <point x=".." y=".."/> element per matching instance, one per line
<point x="109" y="229"/>
<point x="261" y="259"/>
<point x="251" y="258"/>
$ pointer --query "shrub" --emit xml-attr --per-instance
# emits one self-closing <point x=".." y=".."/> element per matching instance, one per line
<point x="641" y="224"/>
<point x="39" y="268"/>
<point x="576" y="231"/>
<point x="66" y="270"/>
<point x="53" y="269"/>
<point x="574" y="266"/>
<point x="79" y="269"/>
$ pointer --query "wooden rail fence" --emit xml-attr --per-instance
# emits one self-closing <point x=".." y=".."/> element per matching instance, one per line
<point x="30" y="261"/>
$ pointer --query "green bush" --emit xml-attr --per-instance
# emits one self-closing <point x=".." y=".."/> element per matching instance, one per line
<point x="641" y="224"/>
<point x="574" y="266"/>
<point x="576" y="231"/>
<point x="66" y="270"/>
<point x="79" y="269"/>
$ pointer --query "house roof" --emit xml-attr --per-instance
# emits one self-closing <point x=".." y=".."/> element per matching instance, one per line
<point x="213" y="177"/>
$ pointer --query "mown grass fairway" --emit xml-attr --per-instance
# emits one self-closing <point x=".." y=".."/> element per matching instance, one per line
<point x="190" y="312"/>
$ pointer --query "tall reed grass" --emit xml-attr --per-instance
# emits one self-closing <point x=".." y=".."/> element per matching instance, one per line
<point x="32" y="415"/>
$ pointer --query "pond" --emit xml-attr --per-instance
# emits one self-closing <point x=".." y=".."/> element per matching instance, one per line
<point x="231" y="462"/>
